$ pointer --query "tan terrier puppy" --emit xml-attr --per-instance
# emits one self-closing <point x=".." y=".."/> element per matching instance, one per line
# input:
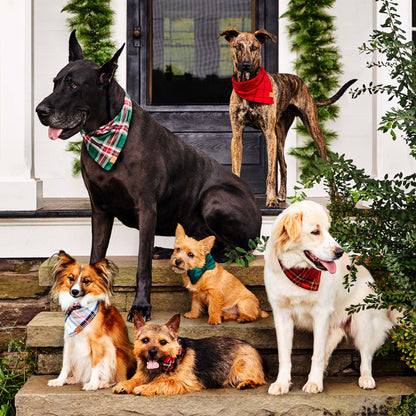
<point x="170" y="365"/>
<point x="210" y="284"/>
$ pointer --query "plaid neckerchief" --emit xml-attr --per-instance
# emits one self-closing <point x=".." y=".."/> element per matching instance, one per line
<point x="78" y="317"/>
<point x="258" y="89"/>
<point x="168" y="363"/>
<point x="105" y="144"/>
<point x="195" y="274"/>
<point x="308" y="279"/>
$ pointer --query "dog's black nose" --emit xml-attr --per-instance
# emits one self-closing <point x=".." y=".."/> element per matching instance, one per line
<point x="152" y="353"/>
<point x="178" y="262"/>
<point x="338" y="252"/>
<point x="43" y="110"/>
<point x="246" y="65"/>
<point x="75" y="292"/>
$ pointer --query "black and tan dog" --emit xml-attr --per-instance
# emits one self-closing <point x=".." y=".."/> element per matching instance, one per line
<point x="290" y="98"/>
<point x="168" y="365"/>
<point x="157" y="179"/>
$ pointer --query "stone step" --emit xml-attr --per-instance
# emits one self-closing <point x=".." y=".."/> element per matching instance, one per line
<point x="45" y="332"/>
<point x="162" y="274"/>
<point x="168" y="292"/>
<point x="341" y="396"/>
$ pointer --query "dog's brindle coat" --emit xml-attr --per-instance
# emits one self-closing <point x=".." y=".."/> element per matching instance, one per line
<point x="158" y="180"/>
<point x="291" y="98"/>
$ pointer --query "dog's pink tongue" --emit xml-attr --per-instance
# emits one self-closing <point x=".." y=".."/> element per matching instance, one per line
<point x="330" y="266"/>
<point x="152" y="365"/>
<point x="54" y="133"/>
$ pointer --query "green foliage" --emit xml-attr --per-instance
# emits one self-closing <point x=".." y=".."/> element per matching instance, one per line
<point x="243" y="257"/>
<point x="406" y="408"/>
<point x="397" y="56"/>
<point x="311" y="30"/>
<point x="92" y="20"/>
<point x="16" y="366"/>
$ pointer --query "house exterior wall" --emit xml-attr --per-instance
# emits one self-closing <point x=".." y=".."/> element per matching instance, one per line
<point x="32" y="166"/>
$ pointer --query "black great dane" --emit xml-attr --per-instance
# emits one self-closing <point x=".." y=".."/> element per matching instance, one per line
<point x="157" y="181"/>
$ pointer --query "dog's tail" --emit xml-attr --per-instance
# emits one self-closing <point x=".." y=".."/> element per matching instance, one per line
<point x="337" y="96"/>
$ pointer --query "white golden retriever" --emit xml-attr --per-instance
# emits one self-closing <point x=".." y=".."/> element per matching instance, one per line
<point x="300" y="240"/>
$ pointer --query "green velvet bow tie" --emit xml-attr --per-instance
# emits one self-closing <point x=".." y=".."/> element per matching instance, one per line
<point x="195" y="274"/>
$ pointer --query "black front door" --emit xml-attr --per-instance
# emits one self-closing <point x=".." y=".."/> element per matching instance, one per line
<point x="181" y="73"/>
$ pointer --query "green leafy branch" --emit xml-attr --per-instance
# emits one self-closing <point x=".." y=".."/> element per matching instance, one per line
<point x="242" y="256"/>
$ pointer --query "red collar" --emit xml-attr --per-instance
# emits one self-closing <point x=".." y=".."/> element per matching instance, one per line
<point x="258" y="89"/>
<point x="308" y="279"/>
<point x="169" y="362"/>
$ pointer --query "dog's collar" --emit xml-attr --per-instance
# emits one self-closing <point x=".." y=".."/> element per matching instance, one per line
<point x="78" y="317"/>
<point x="308" y="279"/>
<point x="195" y="274"/>
<point x="168" y="363"/>
<point x="104" y="144"/>
<point x="258" y="89"/>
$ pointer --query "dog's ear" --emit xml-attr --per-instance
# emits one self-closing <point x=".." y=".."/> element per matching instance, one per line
<point x="263" y="36"/>
<point x="139" y="322"/>
<point x="173" y="324"/>
<point x="107" y="70"/>
<point x="62" y="259"/>
<point x="108" y="270"/>
<point x="180" y="232"/>
<point x="229" y="34"/>
<point x="289" y="228"/>
<point x="208" y="243"/>
<point x="75" y="51"/>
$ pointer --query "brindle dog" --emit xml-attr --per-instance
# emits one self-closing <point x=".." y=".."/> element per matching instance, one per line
<point x="291" y="98"/>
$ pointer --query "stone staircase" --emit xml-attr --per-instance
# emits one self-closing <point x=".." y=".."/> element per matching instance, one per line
<point x="341" y="396"/>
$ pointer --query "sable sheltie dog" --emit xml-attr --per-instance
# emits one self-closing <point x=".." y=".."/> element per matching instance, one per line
<point x="97" y="351"/>
<point x="170" y="365"/>
<point x="210" y="284"/>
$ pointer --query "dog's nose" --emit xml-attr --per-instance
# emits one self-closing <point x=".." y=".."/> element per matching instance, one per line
<point x="178" y="262"/>
<point x="43" y="110"/>
<point x="75" y="292"/>
<point x="338" y="252"/>
<point x="246" y="65"/>
<point x="152" y="353"/>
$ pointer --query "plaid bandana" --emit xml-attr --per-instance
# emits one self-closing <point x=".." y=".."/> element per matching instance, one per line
<point x="258" y="89"/>
<point x="169" y="362"/>
<point x="195" y="274"/>
<point x="78" y="317"/>
<point x="308" y="279"/>
<point x="105" y="144"/>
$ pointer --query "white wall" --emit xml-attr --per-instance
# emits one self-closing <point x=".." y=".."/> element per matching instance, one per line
<point x="53" y="164"/>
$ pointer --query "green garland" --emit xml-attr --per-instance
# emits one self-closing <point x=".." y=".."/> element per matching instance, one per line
<point x="311" y="31"/>
<point x="92" y="20"/>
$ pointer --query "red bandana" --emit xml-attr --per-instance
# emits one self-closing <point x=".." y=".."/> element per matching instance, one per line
<point x="308" y="279"/>
<point x="258" y="89"/>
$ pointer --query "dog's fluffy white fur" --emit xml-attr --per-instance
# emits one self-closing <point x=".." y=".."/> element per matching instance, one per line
<point x="300" y="239"/>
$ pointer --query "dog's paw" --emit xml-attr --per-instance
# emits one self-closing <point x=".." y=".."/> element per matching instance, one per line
<point x="56" y="382"/>
<point x="121" y="388"/>
<point x="190" y="315"/>
<point x="90" y="386"/>
<point x="214" y="321"/>
<point x="139" y="391"/>
<point x="277" y="388"/>
<point x="70" y="380"/>
<point x="272" y="202"/>
<point x="313" y="387"/>
<point x="367" y="382"/>
<point x="143" y="309"/>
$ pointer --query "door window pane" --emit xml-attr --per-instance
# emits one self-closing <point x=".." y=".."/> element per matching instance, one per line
<point x="189" y="65"/>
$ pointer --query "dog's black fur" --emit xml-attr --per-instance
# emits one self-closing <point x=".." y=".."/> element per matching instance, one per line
<point x="158" y="180"/>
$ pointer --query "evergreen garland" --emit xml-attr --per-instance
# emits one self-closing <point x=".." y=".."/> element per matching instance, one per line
<point x="92" y="20"/>
<point x="311" y="31"/>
